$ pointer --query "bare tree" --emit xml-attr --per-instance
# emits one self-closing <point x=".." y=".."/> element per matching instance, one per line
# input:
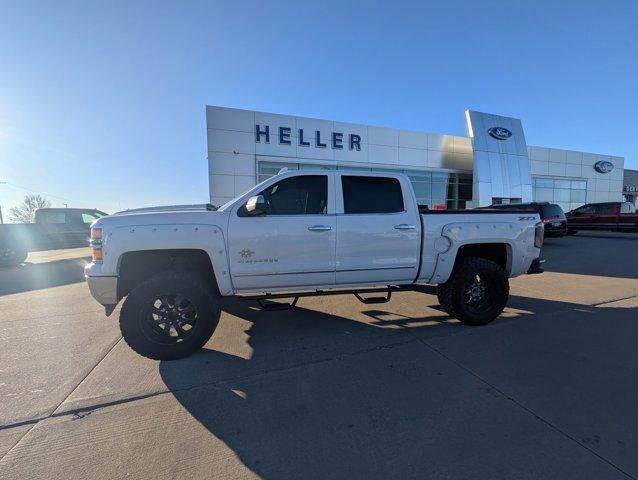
<point x="25" y="212"/>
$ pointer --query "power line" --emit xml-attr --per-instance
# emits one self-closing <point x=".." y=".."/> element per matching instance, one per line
<point x="35" y="191"/>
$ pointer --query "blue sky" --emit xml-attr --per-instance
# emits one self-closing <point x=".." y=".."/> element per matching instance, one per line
<point x="102" y="104"/>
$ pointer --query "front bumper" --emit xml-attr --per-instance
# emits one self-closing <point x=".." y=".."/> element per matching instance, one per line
<point x="102" y="287"/>
<point x="536" y="266"/>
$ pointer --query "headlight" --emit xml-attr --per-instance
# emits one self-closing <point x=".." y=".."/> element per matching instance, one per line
<point x="96" y="245"/>
<point x="539" y="234"/>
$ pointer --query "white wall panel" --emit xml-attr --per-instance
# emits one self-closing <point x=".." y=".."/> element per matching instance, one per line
<point x="382" y="154"/>
<point x="556" y="169"/>
<point x="347" y="155"/>
<point x="243" y="183"/>
<point x="573" y="157"/>
<point x="413" y="157"/>
<point x="440" y="142"/>
<point x="230" y="119"/>
<point x="573" y="170"/>
<point x="413" y="139"/>
<point x="230" y="141"/>
<point x="462" y="145"/>
<point x="557" y="156"/>
<point x="223" y="185"/>
<point x="383" y="136"/>
<point x="539" y="153"/>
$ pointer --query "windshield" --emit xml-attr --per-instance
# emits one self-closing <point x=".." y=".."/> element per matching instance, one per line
<point x="227" y="205"/>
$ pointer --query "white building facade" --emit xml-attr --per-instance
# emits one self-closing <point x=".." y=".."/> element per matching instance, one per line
<point x="492" y="164"/>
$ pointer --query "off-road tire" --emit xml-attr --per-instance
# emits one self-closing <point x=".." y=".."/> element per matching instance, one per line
<point x="451" y="293"/>
<point x="13" y="257"/>
<point x="138" y="308"/>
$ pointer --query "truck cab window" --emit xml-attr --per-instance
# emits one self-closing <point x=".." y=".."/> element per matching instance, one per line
<point x="371" y="195"/>
<point x="587" y="209"/>
<point x="52" y="217"/>
<point x="89" y="217"/>
<point x="303" y="195"/>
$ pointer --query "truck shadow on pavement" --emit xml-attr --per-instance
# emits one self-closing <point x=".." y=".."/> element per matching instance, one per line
<point x="36" y="276"/>
<point x="589" y="254"/>
<point x="317" y="395"/>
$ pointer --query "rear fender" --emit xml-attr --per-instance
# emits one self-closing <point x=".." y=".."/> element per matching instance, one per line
<point x="519" y="240"/>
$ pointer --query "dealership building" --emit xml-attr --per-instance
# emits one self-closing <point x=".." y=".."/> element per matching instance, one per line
<point x="492" y="164"/>
<point x="630" y="186"/>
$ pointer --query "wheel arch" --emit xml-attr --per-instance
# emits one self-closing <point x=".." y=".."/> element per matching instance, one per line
<point x="155" y="248"/>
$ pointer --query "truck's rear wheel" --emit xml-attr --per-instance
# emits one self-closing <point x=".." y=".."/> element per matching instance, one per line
<point x="169" y="316"/>
<point x="476" y="293"/>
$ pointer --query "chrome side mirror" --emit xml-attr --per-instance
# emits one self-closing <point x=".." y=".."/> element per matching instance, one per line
<point x="256" y="206"/>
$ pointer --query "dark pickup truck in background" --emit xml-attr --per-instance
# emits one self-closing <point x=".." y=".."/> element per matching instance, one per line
<point x="615" y="216"/>
<point x="53" y="228"/>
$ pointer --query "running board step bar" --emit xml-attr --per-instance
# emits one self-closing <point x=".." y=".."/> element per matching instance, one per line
<point x="270" y="306"/>
<point x="265" y="304"/>
<point x="371" y="300"/>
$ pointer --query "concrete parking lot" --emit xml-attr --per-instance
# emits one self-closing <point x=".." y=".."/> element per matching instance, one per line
<point x="332" y="388"/>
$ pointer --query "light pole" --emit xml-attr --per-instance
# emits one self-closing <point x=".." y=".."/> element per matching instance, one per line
<point x="1" y="220"/>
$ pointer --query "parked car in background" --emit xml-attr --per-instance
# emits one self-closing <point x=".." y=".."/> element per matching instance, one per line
<point x="552" y="216"/>
<point x="614" y="216"/>
<point x="53" y="228"/>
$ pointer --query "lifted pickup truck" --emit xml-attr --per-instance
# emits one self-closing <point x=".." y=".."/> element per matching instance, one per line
<point x="53" y="228"/>
<point x="299" y="234"/>
<point x="615" y="216"/>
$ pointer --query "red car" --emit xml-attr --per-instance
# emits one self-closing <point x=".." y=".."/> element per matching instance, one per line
<point x="616" y="216"/>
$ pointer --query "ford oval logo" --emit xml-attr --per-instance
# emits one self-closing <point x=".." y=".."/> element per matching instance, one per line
<point x="603" y="166"/>
<point x="499" y="133"/>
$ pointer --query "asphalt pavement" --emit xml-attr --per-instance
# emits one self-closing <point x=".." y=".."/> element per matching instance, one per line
<point x="333" y="388"/>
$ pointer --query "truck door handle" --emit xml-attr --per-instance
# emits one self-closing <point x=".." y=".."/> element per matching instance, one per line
<point x="404" y="226"/>
<point x="320" y="228"/>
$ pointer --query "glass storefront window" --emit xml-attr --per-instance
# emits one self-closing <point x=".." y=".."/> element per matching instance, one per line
<point x="569" y="194"/>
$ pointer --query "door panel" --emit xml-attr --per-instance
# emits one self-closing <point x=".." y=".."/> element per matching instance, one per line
<point x="292" y="244"/>
<point x="378" y="240"/>
<point x="370" y="249"/>
<point x="281" y="251"/>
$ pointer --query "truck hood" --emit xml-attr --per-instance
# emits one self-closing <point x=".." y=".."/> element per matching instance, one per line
<point x="161" y="216"/>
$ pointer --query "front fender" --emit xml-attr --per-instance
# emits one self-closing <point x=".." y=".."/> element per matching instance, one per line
<point x="209" y="238"/>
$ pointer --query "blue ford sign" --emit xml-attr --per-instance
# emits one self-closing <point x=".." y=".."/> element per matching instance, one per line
<point x="499" y="133"/>
<point x="603" y="166"/>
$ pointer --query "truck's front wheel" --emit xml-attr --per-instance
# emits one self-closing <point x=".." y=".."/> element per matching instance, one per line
<point x="11" y="257"/>
<point x="476" y="293"/>
<point x="169" y="316"/>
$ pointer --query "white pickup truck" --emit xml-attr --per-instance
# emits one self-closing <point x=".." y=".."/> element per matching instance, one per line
<point x="297" y="234"/>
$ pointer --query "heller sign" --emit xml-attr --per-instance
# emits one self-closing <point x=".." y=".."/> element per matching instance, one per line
<point x="336" y="139"/>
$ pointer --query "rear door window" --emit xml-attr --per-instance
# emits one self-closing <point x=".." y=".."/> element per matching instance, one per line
<point x="371" y="195"/>
<point x="604" y="209"/>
